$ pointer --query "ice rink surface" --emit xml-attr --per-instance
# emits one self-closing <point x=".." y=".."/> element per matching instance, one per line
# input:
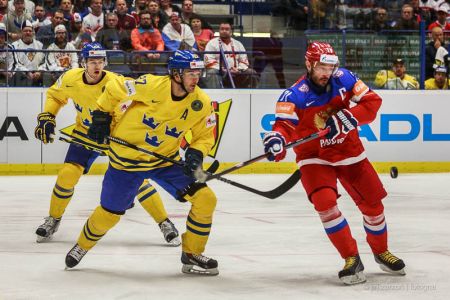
<point x="266" y="249"/>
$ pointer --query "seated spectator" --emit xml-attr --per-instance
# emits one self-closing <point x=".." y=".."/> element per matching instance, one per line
<point x="140" y="5"/>
<point x="236" y="63"/>
<point x="168" y="8"/>
<point x="67" y="8"/>
<point x="75" y="28"/>
<point x="14" y="19"/>
<point x="126" y="22"/>
<point x="7" y="59"/>
<point x="437" y="36"/>
<point x="81" y="7"/>
<point x="46" y="34"/>
<point x="147" y="38"/>
<point x="380" y="21"/>
<point x="39" y="19"/>
<point x="440" y="80"/>
<point x="50" y="7"/>
<point x="29" y="6"/>
<point x="94" y="21"/>
<point x="159" y="18"/>
<point x="407" y="20"/>
<point x="28" y="63"/>
<point x="58" y="62"/>
<point x="108" y="6"/>
<point x="3" y="9"/>
<point x="397" y="79"/>
<point x="442" y="14"/>
<point x="422" y="12"/>
<point x="178" y="36"/>
<point x="202" y="35"/>
<point x="110" y="37"/>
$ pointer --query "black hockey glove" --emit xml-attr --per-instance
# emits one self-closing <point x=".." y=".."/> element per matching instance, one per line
<point x="342" y="122"/>
<point x="193" y="160"/>
<point x="45" y="128"/>
<point x="100" y="127"/>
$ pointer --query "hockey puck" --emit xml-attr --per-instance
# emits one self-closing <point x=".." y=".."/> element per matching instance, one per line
<point x="394" y="172"/>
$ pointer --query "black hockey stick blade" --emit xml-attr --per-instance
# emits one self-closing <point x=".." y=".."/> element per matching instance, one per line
<point x="303" y="140"/>
<point x="275" y="193"/>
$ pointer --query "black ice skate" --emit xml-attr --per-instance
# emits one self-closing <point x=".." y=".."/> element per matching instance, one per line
<point x="45" y="231"/>
<point x="74" y="256"/>
<point x="390" y="263"/>
<point x="170" y="233"/>
<point x="352" y="273"/>
<point x="198" y="264"/>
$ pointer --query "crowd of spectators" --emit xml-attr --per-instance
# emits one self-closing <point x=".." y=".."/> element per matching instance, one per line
<point x="145" y="29"/>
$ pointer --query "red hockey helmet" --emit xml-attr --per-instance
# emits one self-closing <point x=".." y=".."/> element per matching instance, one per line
<point x="321" y="52"/>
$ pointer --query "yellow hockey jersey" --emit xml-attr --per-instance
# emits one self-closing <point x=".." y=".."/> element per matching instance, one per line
<point x="388" y="80"/>
<point x="156" y="122"/>
<point x="71" y="85"/>
<point x="430" y="84"/>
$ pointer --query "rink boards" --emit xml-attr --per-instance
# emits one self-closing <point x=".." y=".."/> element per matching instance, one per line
<point x="412" y="131"/>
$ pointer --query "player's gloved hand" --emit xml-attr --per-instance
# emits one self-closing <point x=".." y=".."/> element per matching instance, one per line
<point x="100" y="127"/>
<point x="274" y="143"/>
<point x="193" y="160"/>
<point x="45" y="128"/>
<point x="342" y="122"/>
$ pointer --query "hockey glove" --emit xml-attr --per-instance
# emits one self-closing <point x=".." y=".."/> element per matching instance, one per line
<point x="193" y="160"/>
<point x="45" y="128"/>
<point x="100" y="127"/>
<point x="342" y="122"/>
<point x="274" y="143"/>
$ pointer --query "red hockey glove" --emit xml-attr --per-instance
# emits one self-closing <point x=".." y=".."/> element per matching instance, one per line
<point x="342" y="122"/>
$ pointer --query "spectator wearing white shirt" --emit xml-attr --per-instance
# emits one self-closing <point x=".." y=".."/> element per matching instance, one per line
<point x="28" y="63"/>
<point x="236" y="63"/>
<point x="178" y="36"/>
<point x="94" y="21"/>
<point x="7" y="60"/>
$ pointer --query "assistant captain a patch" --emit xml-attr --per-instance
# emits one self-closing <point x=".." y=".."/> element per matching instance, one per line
<point x="197" y="105"/>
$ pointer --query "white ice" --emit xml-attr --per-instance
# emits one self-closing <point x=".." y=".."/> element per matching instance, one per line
<point x="266" y="249"/>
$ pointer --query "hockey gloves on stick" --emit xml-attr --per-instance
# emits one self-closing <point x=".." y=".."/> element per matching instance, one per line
<point x="45" y="128"/>
<point x="100" y="127"/>
<point x="342" y="122"/>
<point x="193" y="160"/>
<point x="274" y="144"/>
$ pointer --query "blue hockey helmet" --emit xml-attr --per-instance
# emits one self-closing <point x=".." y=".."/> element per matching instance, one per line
<point x="93" y="50"/>
<point x="184" y="59"/>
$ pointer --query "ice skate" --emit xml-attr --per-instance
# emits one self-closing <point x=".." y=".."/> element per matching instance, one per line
<point x="198" y="264"/>
<point x="352" y="273"/>
<point x="74" y="256"/>
<point x="45" y="231"/>
<point x="170" y="233"/>
<point x="390" y="263"/>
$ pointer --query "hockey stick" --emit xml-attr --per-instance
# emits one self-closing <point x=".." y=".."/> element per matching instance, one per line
<point x="203" y="176"/>
<point x="303" y="140"/>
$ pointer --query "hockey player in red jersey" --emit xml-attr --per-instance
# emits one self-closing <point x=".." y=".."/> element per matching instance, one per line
<point x="333" y="97"/>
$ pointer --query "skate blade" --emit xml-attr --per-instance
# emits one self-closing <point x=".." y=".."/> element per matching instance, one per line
<point x="386" y="269"/>
<point x="354" y="279"/>
<point x="43" y="239"/>
<point x="196" y="270"/>
<point x="175" y="242"/>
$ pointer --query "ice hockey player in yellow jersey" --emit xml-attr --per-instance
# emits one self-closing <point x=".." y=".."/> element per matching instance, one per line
<point x="163" y="110"/>
<point x="84" y="86"/>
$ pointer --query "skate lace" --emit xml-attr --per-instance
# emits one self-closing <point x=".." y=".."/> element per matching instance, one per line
<point x="349" y="262"/>
<point x="201" y="258"/>
<point x="78" y="253"/>
<point x="49" y="222"/>
<point x="388" y="257"/>
<point x="166" y="227"/>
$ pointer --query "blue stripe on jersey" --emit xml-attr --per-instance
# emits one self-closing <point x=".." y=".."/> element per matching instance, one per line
<point x="196" y="231"/>
<point x="146" y="196"/>
<point x="201" y="225"/>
